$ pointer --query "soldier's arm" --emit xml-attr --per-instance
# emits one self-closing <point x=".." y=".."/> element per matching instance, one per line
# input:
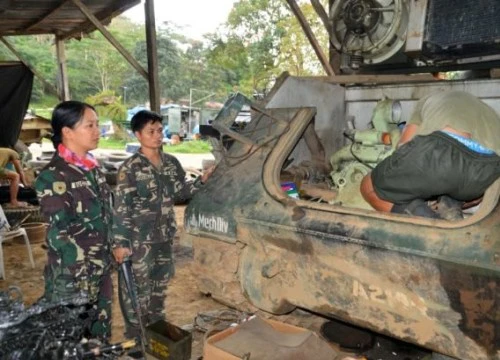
<point x="184" y="190"/>
<point x="56" y="207"/>
<point x="123" y="216"/>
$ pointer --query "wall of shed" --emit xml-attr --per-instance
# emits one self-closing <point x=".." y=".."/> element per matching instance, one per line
<point x="336" y="104"/>
<point x="361" y="100"/>
<point x="327" y="98"/>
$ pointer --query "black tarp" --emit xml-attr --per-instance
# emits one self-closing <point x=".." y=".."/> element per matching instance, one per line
<point x="16" y="82"/>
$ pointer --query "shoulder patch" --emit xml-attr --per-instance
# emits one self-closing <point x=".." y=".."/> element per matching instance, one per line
<point x="121" y="175"/>
<point x="59" y="187"/>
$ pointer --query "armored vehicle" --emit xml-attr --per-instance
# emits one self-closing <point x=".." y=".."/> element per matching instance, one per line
<point x="281" y="224"/>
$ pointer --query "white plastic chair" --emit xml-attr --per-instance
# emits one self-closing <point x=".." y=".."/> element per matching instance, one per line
<point x="7" y="233"/>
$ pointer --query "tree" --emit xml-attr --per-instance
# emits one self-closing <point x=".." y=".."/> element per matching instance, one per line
<point x="258" y="24"/>
<point x="229" y="59"/>
<point x="94" y="65"/>
<point x="297" y="55"/>
<point x="38" y="51"/>
<point x="260" y="39"/>
<point x="169" y="66"/>
<point x="110" y="107"/>
<point x="264" y="39"/>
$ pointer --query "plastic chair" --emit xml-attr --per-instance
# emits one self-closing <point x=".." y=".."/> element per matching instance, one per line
<point x="7" y="233"/>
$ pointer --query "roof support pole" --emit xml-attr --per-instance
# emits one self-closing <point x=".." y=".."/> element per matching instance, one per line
<point x="62" y="78"/>
<point x="153" y="79"/>
<point x="46" y="84"/>
<point x="132" y="61"/>
<point x="310" y="36"/>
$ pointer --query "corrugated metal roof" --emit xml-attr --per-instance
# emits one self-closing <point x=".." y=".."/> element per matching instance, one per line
<point x="60" y="17"/>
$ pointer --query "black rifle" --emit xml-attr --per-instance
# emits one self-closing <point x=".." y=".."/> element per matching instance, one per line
<point x="128" y="277"/>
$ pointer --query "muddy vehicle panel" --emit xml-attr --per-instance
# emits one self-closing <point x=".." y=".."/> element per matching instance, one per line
<point x="433" y="283"/>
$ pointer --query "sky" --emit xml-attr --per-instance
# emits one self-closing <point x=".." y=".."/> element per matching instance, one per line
<point x="197" y="17"/>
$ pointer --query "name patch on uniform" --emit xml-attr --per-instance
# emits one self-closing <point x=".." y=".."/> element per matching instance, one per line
<point x="141" y="177"/>
<point x="80" y="184"/>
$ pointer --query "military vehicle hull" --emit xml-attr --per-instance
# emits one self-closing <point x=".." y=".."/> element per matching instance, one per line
<point x="428" y="282"/>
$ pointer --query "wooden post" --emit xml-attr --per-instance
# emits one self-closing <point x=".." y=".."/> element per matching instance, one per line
<point x="63" y="87"/>
<point x="312" y="39"/>
<point x="132" y="61"/>
<point x="154" y="84"/>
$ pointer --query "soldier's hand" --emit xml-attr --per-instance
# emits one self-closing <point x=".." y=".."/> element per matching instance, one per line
<point x="120" y="253"/>
<point x="207" y="173"/>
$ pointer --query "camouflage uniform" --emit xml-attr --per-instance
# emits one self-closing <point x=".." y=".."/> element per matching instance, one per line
<point x="77" y="206"/>
<point x="144" y="221"/>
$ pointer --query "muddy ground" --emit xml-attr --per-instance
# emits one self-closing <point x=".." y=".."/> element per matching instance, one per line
<point x="184" y="301"/>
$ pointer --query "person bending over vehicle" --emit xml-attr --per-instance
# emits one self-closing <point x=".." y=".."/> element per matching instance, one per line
<point x="448" y="151"/>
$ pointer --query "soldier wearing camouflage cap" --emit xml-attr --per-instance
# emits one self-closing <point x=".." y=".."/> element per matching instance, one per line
<point x="76" y="202"/>
<point x="149" y="183"/>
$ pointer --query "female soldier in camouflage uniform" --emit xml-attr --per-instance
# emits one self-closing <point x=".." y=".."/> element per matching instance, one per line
<point x="149" y="183"/>
<point x="76" y="202"/>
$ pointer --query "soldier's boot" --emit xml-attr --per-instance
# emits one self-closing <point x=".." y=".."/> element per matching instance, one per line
<point x="417" y="207"/>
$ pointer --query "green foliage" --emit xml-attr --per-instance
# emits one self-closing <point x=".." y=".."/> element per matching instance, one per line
<point x="263" y="40"/>
<point x="297" y="56"/>
<point x="229" y="58"/>
<point x="37" y="50"/>
<point x="169" y="66"/>
<point x="47" y="102"/>
<point x="260" y="40"/>
<point x="114" y="144"/>
<point x="94" y="65"/>
<point x="258" y="23"/>
<point x="189" y="147"/>
<point x="108" y="106"/>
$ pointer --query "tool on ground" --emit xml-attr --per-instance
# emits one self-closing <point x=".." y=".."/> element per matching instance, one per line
<point x="128" y="277"/>
<point x="94" y="352"/>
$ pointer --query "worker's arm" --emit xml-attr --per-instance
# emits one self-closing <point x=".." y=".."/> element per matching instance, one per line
<point x="414" y="122"/>
<point x="408" y="133"/>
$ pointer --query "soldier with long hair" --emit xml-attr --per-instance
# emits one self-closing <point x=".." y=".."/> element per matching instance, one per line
<point x="76" y="202"/>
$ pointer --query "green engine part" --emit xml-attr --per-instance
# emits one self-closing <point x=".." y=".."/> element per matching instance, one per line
<point x="352" y="162"/>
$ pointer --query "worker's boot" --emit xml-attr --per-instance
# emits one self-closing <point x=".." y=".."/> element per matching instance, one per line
<point x="417" y="207"/>
<point x="449" y="208"/>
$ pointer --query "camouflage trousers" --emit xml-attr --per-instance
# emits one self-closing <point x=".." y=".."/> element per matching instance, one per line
<point x="153" y="266"/>
<point x="61" y="285"/>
